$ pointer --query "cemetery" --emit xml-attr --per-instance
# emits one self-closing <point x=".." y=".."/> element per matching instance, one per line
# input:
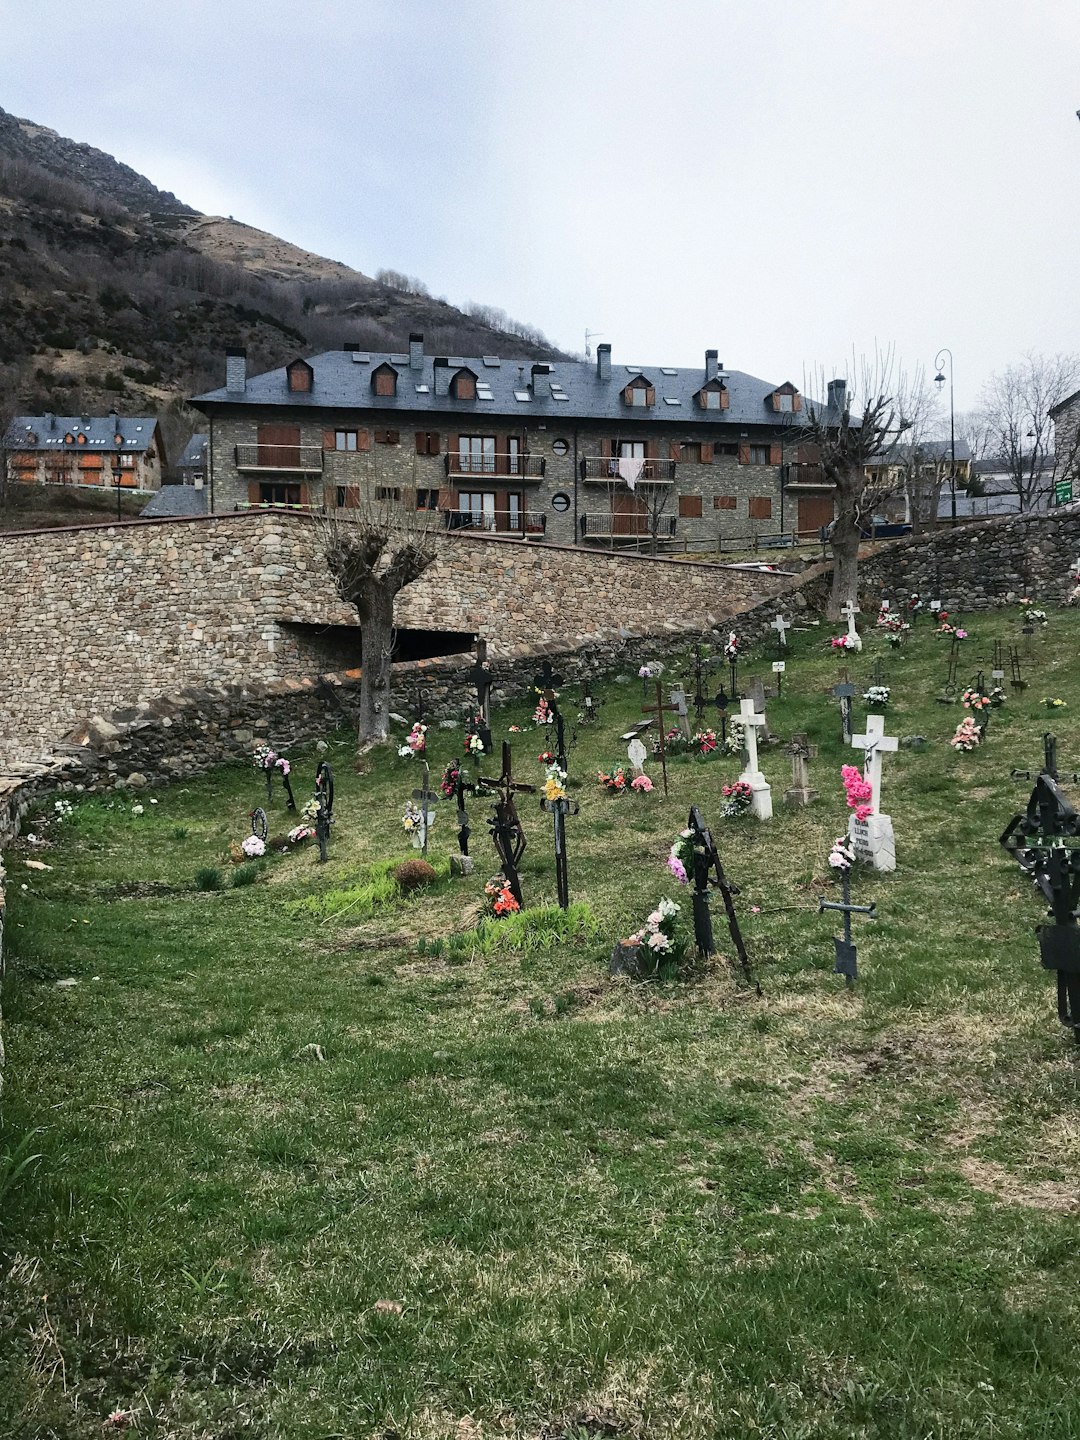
<point x="683" y="1050"/>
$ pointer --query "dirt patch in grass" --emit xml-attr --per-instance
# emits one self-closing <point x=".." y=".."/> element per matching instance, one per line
<point x="1011" y="1189"/>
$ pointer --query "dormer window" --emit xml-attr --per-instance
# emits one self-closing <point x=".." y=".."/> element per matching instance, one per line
<point x="712" y="396"/>
<point x="463" y="385"/>
<point x="640" y="393"/>
<point x="785" y="399"/>
<point x="384" y="380"/>
<point x="299" y="377"/>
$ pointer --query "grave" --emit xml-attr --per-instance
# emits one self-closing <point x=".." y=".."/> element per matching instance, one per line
<point x="425" y="798"/>
<point x="848" y="611"/>
<point x="660" y="710"/>
<point x="708" y="873"/>
<point x="757" y="695"/>
<point x="847" y="955"/>
<point x="844" y="692"/>
<point x="677" y="701"/>
<point x="778" y="668"/>
<point x="761" y="802"/>
<point x="801" y="752"/>
<point x="545" y="683"/>
<point x="558" y="808"/>
<point x="637" y="755"/>
<point x="781" y="626"/>
<point x="505" y="825"/>
<point x="873" y="837"/>
<point x="480" y="677"/>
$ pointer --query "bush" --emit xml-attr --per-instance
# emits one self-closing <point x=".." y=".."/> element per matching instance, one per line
<point x="414" y="875"/>
<point x="245" y="874"/>
<point x="208" y="878"/>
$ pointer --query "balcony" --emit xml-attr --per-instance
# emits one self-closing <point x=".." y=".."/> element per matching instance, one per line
<point x="603" y="525"/>
<point x="271" y="459"/>
<point x="808" y="476"/>
<point x="495" y="467"/>
<point x="600" y="469"/>
<point x="528" y="522"/>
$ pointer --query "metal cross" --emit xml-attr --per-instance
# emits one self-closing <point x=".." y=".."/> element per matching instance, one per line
<point x="847" y="955"/>
<point x="480" y="677"/>
<point x="426" y="797"/>
<point x="721" y="703"/>
<point x="778" y="668"/>
<point x="505" y="825"/>
<point x="659" y="710"/>
<point x="545" y="683"/>
<point x="558" y="810"/>
<point x="1016" y="680"/>
<point x="709" y="872"/>
<point x="844" y="692"/>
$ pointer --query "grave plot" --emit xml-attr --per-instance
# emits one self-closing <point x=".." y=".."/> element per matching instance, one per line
<point x="356" y="1146"/>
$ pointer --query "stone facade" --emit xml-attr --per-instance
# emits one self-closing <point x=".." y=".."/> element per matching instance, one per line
<point x="101" y="618"/>
<point x="978" y="567"/>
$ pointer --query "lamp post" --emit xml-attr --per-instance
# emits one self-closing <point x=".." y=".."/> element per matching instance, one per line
<point x="939" y="381"/>
<point x="117" y="476"/>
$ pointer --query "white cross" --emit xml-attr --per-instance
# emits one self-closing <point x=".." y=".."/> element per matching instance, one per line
<point x="873" y="744"/>
<point x="848" y="611"/>
<point x="749" y="722"/>
<point x="781" y="626"/>
<point x="635" y="753"/>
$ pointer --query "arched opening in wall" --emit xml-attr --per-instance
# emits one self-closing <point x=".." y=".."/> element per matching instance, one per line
<point x="328" y="648"/>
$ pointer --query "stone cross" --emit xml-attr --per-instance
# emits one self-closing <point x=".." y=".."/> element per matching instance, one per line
<point x="636" y="753"/>
<point x="425" y="798"/>
<point x="757" y="695"/>
<point x="801" y="752"/>
<point x="874" y="743"/>
<point x="848" y="611"/>
<point x="677" y="699"/>
<point x="762" y="796"/>
<point x="781" y="626"/>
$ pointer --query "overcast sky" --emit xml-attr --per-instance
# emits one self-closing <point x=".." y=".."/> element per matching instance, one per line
<point x="783" y="181"/>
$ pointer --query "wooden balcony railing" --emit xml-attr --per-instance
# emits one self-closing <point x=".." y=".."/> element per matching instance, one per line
<point x="604" y="525"/>
<point x="482" y="467"/>
<point x="598" y="468"/>
<point x="295" y="459"/>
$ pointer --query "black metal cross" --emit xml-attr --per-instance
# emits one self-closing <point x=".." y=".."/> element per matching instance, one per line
<point x="589" y="704"/>
<point x="847" y="955"/>
<point x="480" y="677"/>
<point x="659" y="710"/>
<point x="558" y="810"/>
<point x="844" y="692"/>
<point x="462" y="787"/>
<point x="324" y="786"/>
<point x="721" y="702"/>
<point x="948" y="693"/>
<point x="505" y="825"/>
<point x="1016" y="679"/>
<point x="997" y="664"/>
<point x="709" y="872"/>
<point x="545" y="683"/>
<point x="877" y="673"/>
<point x="426" y="797"/>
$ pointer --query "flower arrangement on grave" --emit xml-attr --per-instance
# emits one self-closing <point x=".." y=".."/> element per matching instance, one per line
<point x="1052" y="703"/>
<point x="412" y="820"/>
<point x="675" y="743"/>
<point x="641" y="784"/>
<point x="877" y="695"/>
<point x="546" y="757"/>
<point x="1035" y="617"/>
<point x="299" y="833"/>
<point x="968" y="734"/>
<point x="415" y="741"/>
<point x="735" y="743"/>
<point x="555" y="782"/>
<point x="650" y="671"/>
<point x="731" y="649"/>
<point x="310" y="812"/>
<point x="842" y="642"/>
<point x="913" y="604"/>
<point x="997" y="696"/>
<point x="499" y="897"/>
<point x="266" y="758"/>
<point x="894" y="625"/>
<point x="680" y="859"/>
<point x="542" y="715"/>
<point x="658" y="932"/>
<point x="738" y="797"/>
<point x="842" y="854"/>
<point x="975" y="700"/>
<point x="62" y="809"/>
<point x="473" y="744"/>
<point x="613" y="780"/>
<point x="448" y="783"/>
<point x="253" y="847"/>
<point x="704" y="741"/>
<point x="857" y="790"/>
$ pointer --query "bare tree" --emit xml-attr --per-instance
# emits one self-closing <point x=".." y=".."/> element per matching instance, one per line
<point x="848" y="442"/>
<point x="372" y="553"/>
<point x="1016" y="405"/>
<point x="921" y="468"/>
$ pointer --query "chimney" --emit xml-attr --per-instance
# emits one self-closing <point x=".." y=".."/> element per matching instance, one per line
<point x="50" y="420"/>
<point x="351" y="347"/>
<point x="235" y="371"/>
<point x="442" y="375"/>
<point x="838" y="396"/>
<point x="539" y="374"/>
<point x="416" y="352"/>
<point x="712" y="365"/>
<point x="603" y="362"/>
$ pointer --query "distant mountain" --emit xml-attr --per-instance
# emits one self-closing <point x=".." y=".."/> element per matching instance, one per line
<point x="115" y="294"/>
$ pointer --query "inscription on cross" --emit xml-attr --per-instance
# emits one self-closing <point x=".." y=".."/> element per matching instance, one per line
<point x="873" y="836"/>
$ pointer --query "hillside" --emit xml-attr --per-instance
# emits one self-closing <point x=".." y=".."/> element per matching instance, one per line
<point x="115" y="293"/>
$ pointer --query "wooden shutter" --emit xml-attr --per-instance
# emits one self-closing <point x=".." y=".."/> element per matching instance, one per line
<point x="253" y="491"/>
<point x="606" y="452"/>
<point x="433" y="442"/>
<point x="725" y="399"/>
<point x="652" y="449"/>
<point x="690" y="506"/>
<point x="650" y="395"/>
<point x="453" y="449"/>
<point x="776" y="455"/>
<point x="421" y="442"/>
<point x="796" y="401"/>
<point x="706" y="452"/>
<point x="760" y="507"/>
<point x="329" y="440"/>
<point x="744" y="454"/>
<point x="447" y="499"/>
<point x="363" y="439"/>
<point x="674" y="450"/>
<point x="724" y="502"/>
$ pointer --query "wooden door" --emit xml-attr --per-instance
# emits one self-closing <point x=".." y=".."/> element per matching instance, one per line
<point x="279" y="446"/>
<point x="814" y="512"/>
<point x="629" y="515"/>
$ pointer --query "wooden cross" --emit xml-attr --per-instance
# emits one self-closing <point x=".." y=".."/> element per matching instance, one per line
<point x="659" y="710"/>
<point x="844" y="692"/>
<point x="426" y="797"/>
<point x="677" y="698"/>
<point x="873" y="744"/>
<point x="781" y="626"/>
<point x="751" y="722"/>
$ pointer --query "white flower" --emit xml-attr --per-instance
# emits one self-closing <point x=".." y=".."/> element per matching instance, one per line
<point x="136" y="809"/>
<point x="668" y="908"/>
<point x="252" y="847"/>
<point x="654" y="919"/>
<point x="405" y="751"/>
<point x="153" y="802"/>
<point x="659" y="942"/>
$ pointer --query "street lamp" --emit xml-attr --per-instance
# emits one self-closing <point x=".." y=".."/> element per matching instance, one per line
<point x="117" y="477"/>
<point x="939" y="381"/>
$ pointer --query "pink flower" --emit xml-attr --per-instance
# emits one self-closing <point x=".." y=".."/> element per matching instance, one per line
<point x="654" y="918"/>
<point x="642" y="784"/>
<point x="677" y="868"/>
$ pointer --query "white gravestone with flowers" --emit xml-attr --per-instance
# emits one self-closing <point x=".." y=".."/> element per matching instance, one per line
<point x="761" y="799"/>
<point x="873" y="837"/>
<point x="848" y="611"/>
<point x="636" y="753"/>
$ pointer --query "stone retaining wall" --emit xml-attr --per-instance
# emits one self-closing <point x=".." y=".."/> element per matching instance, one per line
<point x="979" y="567"/>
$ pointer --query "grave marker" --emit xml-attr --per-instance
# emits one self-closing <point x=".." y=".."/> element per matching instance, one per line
<point x="848" y="611"/>
<point x="761" y="802"/>
<point x="636" y="754"/>
<point x="546" y="682"/>
<point x="677" y="699"/>
<point x="873" y="837"/>
<point x="1016" y="678"/>
<point x="778" y="667"/>
<point x="721" y="703"/>
<point x="425" y="798"/>
<point x="480" y="677"/>
<point x="708" y="871"/>
<point x="505" y="825"/>
<point x="757" y="695"/>
<point x="801" y="752"/>
<point x="558" y="809"/>
<point x="659" y="710"/>
<point x="781" y="626"/>
<point x="844" y="692"/>
<point x="847" y="955"/>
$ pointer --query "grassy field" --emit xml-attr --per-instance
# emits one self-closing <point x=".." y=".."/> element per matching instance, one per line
<point x="309" y="1173"/>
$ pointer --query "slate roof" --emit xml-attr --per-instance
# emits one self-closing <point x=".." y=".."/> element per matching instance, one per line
<point x="931" y="450"/>
<point x="100" y="431"/>
<point x="174" y="500"/>
<point x="343" y="382"/>
<point x="194" y="454"/>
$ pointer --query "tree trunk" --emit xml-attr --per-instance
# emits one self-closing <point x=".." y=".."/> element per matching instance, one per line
<point x="845" y="551"/>
<point x="377" y="637"/>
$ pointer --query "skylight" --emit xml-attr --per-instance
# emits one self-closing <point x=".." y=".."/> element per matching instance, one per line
<point x="665" y="371"/>
<point x="560" y="395"/>
<point x="670" y="400"/>
<point x="492" y="362"/>
<point x="522" y="395"/>
<point x="423" y="389"/>
<point x="399" y="359"/>
<point x="359" y="359"/>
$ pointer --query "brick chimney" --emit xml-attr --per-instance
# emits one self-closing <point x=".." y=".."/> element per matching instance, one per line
<point x="603" y="362"/>
<point x="236" y="371"/>
<point x="416" y="352"/>
<point x="712" y="364"/>
<point x="838" y="396"/>
<point x="442" y="375"/>
<point x="540" y="381"/>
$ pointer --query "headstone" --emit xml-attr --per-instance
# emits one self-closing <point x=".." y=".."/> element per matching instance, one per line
<point x="873" y="837"/>
<point x="761" y="802"/>
<point x="636" y="754"/>
<point x="677" y="701"/>
<point x="757" y="695"/>
<point x="848" y="611"/>
<point x="801" y="752"/>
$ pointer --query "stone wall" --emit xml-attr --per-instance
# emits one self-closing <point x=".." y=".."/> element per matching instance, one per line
<point x="104" y="617"/>
<point x="978" y="567"/>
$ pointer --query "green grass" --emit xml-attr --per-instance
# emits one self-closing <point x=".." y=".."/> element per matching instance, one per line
<point x="604" y="1209"/>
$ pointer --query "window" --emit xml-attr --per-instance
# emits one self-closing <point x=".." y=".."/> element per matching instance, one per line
<point x="479" y="506"/>
<point x="127" y="462"/>
<point x="724" y="502"/>
<point x="760" y="507"/>
<point x="427" y="442"/>
<point x="463" y="385"/>
<point x="710" y="399"/>
<point x="427" y="499"/>
<point x="476" y="454"/>
<point x="299" y="377"/>
<point x="785" y="403"/>
<point x="387" y="492"/>
<point x="690" y="507"/>
<point x="639" y="393"/>
<point x="560" y="447"/>
<point x="272" y="493"/>
<point x="712" y="396"/>
<point x="759" y="455"/>
<point x="387" y="437"/>
<point x="731" y="451"/>
<point x="344" y="439"/>
<point x="384" y="380"/>
<point x="636" y="395"/>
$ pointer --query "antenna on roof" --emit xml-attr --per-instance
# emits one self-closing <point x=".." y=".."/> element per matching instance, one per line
<point x="588" y="336"/>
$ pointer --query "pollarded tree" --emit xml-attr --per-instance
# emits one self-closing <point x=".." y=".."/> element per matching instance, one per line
<point x="372" y="553"/>
<point x="848" y="440"/>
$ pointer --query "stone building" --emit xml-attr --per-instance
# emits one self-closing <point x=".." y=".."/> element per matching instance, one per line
<point x="85" y="450"/>
<point x="577" y="452"/>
